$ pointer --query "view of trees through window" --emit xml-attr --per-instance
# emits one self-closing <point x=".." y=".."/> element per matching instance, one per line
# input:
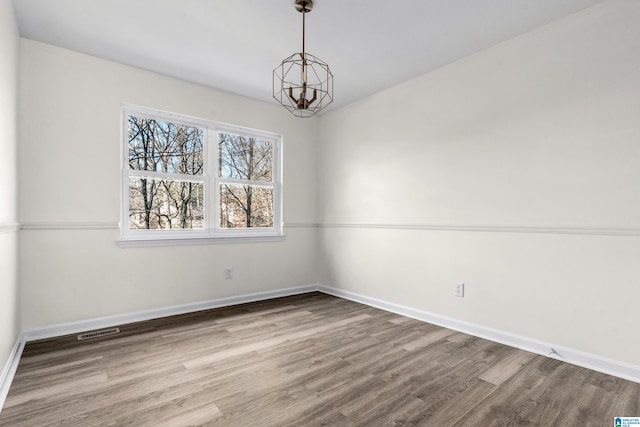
<point x="163" y="191"/>
<point x="246" y="191"/>
<point x="168" y="185"/>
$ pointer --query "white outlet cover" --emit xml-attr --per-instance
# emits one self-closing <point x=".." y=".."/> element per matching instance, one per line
<point x="458" y="289"/>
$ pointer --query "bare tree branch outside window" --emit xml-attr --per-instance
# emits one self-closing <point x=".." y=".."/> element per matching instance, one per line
<point x="166" y="197"/>
<point x="190" y="178"/>
<point x="246" y="189"/>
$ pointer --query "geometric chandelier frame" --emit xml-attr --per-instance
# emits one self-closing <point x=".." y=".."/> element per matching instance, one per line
<point x="303" y="83"/>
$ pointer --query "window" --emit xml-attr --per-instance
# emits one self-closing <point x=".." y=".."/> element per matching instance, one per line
<point x="189" y="180"/>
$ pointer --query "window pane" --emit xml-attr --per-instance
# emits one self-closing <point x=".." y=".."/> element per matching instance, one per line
<point x="161" y="204"/>
<point x="245" y="206"/>
<point x="244" y="157"/>
<point x="159" y="146"/>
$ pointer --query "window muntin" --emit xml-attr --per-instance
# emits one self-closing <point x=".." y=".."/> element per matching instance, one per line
<point x="177" y="185"/>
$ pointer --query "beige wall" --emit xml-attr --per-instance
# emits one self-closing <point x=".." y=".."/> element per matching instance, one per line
<point x="500" y="171"/>
<point x="9" y="291"/>
<point x="71" y="267"/>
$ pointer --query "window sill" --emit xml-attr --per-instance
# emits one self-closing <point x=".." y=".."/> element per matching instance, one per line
<point x="189" y="241"/>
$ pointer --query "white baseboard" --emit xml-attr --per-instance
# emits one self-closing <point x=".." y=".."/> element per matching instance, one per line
<point x="575" y="357"/>
<point x="9" y="371"/>
<point x="121" y="319"/>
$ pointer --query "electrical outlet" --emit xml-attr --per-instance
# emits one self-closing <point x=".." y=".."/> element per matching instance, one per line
<point x="228" y="273"/>
<point x="458" y="289"/>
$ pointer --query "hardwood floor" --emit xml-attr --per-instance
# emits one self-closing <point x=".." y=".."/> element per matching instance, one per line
<point x="309" y="360"/>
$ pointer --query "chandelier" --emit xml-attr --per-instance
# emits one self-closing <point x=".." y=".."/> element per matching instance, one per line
<point x="303" y="83"/>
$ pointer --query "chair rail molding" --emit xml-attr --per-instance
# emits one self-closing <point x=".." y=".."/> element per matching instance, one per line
<point x="9" y="227"/>
<point x="492" y="228"/>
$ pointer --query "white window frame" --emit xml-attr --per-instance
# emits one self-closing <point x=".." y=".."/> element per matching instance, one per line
<point x="212" y="232"/>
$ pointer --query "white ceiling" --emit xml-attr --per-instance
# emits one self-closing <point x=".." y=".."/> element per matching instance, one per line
<point x="235" y="44"/>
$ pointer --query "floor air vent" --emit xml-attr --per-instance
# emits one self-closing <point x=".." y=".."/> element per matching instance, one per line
<point x="98" y="334"/>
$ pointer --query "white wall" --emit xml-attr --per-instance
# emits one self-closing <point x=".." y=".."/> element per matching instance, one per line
<point x="514" y="170"/>
<point x="71" y="268"/>
<point x="500" y="170"/>
<point x="9" y="292"/>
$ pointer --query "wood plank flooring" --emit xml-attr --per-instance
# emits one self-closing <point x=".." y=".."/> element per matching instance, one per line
<point x="308" y="360"/>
